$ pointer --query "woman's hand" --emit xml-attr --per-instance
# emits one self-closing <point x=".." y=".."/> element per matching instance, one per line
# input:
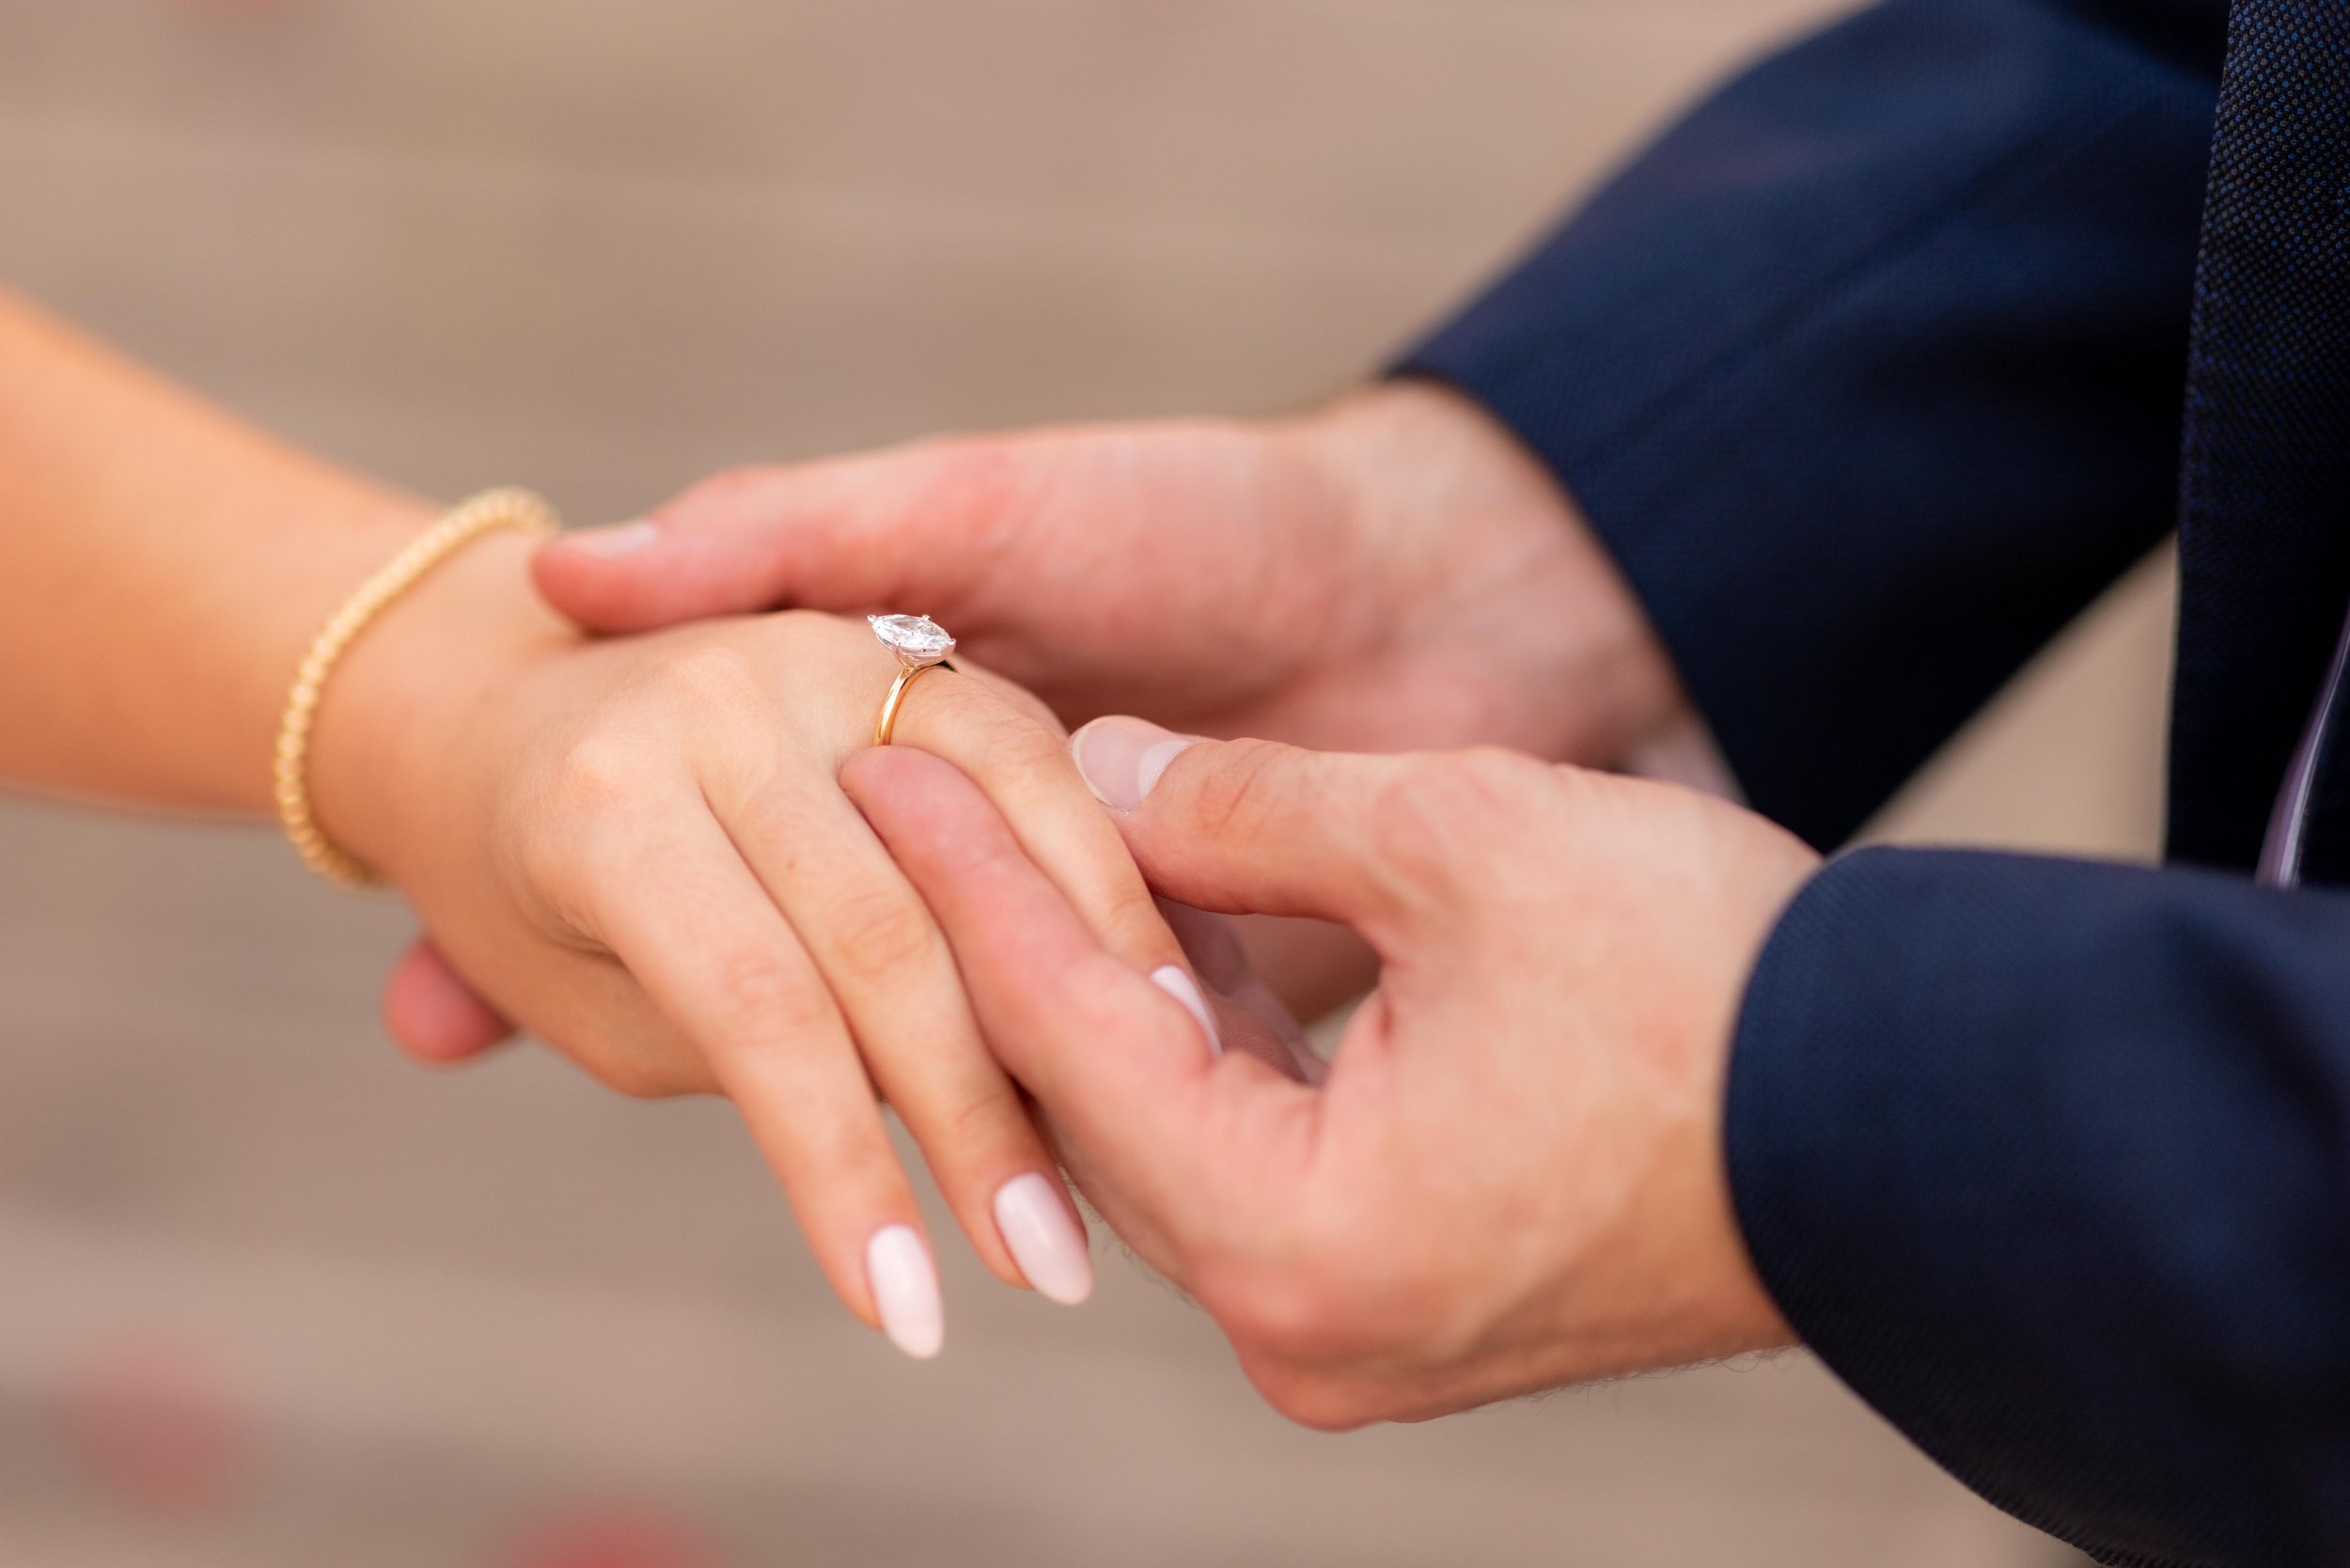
<point x="639" y="851"/>
<point x="1513" y="1176"/>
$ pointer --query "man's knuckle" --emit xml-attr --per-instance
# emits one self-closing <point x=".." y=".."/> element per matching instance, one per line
<point x="1444" y="817"/>
<point x="1242" y="799"/>
<point x="970" y="486"/>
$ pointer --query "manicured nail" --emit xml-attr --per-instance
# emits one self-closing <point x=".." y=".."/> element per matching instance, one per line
<point x="1047" y="1241"/>
<point x="906" y="1290"/>
<point x="1183" y="989"/>
<point x="1122" y="758"/>
<point x="614" y="541"/>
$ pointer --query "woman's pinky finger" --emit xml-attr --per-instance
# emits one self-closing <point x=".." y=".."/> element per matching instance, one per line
<point x="700" y="933"/>
<point x="812" y="1110"/>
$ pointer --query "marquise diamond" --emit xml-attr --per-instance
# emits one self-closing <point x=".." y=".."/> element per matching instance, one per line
<point x="916" y="638"/>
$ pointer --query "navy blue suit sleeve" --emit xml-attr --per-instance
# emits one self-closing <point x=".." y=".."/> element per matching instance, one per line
<point x="2050" y="1161"/>
<point x="1869" y="372"/>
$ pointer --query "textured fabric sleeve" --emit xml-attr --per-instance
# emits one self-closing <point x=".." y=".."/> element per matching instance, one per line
<point x="2047" y="1160"/>
<point x="1869" y="372"/>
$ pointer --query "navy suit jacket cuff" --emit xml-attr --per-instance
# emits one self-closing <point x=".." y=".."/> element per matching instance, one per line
<point x="2043" y="1158"/>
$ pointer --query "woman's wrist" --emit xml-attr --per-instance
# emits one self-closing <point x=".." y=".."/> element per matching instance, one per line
<point x="1484" y="554"/>
<point x="410" y="696"/>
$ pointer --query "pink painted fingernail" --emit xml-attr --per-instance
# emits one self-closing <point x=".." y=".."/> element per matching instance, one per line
<point x="1122" y="758"/>
<point x="613" y="542"/>
<point x="1047" y="1241"/>
<point x="1168" y="977"/>
<point x="906" y="1290"/>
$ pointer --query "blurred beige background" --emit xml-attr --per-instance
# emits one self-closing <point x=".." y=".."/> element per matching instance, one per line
<point x="602" y="246"/>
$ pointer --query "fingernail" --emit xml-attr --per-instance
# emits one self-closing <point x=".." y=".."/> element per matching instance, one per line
<point x="906" y="1290"/>
<point x="1183" y="989"/>
<point x="1122" y="758"/>
<point x="614" y="541"/>
<point x="1046" y="1241"/>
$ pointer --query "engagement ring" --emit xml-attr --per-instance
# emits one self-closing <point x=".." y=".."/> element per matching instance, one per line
<point x="919" y="643"/>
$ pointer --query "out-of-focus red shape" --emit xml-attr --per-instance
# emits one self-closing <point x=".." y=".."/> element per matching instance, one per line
<point x="611" y="1535"/>
<point x="156" y="1424"/>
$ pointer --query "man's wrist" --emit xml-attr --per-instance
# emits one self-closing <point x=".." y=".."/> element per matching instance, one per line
<point x="1485" y="556"/>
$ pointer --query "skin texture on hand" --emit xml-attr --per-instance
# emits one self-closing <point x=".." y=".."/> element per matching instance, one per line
<point x="639" y="850"/>
<point x="1513" y="1178"/>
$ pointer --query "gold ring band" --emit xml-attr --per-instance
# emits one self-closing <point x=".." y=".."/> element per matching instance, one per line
<point x="887" y="724"/>
<point x="920" y="644"/>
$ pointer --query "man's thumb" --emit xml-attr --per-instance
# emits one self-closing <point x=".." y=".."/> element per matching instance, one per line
<point x="1243" y="827"/>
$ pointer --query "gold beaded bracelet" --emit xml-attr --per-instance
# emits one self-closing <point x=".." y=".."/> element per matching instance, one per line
<point x="487" y="512"/>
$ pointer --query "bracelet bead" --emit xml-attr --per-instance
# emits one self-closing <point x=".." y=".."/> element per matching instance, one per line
<point x="488" y="512"/>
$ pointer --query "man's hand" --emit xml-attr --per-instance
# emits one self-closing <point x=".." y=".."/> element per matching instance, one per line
<point x="1392" y="574"/>
<point x="1513" y="1177"/>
